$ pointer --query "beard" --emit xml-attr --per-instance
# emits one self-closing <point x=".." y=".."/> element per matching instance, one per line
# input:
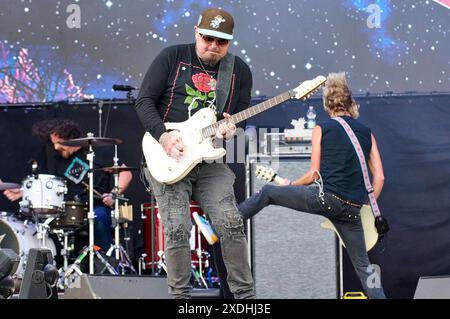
<point x="211" y="58"/>
<point x="211" y="61"/>
<point x="65" y="154"/>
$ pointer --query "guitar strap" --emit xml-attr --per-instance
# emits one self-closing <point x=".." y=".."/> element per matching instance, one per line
<point x="224" y="82"/>
<point x="362" y="161"/>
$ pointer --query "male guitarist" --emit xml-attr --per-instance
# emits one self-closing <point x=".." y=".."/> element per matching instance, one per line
<point x="342" y="191"/>
<point x="182" y="80"/>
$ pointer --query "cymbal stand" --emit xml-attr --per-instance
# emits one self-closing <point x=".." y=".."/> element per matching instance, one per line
<point x="91" y="215"/>
<point x="69" y="274"/>
<point x="63" y="237"/>
<point x="125" y="265"/>
<point x="116" y="207"/>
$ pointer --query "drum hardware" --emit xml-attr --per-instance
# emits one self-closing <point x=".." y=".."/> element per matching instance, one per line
<point x="141" y="263"/>
<point x="42" y="230"/>
<point x="90" y="141"/>
<point x="161" y="262"/>
<point x="126" y="239"/>
<point x="200" y="259"/>
<point x="63" y="236"/>
<point x="116" y="205"/>
<point x="108" y="266"/>
<point x="69" y="274"/>
<point x="125" y="266"/>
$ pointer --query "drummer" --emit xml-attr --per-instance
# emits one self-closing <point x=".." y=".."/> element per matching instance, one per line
<point x="57" y="159"/>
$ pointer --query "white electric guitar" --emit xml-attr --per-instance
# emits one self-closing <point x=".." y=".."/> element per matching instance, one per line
<point x="197" y="134"/>
<point x="367" y="218"/>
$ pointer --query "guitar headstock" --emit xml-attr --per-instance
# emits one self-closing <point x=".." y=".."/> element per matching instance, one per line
<point x="265" y="173"/>
<point x="307" y="88"/>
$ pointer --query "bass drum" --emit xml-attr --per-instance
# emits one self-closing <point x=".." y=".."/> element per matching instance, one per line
<point x="21" y="236"/>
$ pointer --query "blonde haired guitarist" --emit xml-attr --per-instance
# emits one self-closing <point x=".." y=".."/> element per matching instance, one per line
<point x="342" y="191"/>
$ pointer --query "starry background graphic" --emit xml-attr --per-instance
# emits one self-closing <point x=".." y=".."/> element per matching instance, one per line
<point x="283" y="41"/>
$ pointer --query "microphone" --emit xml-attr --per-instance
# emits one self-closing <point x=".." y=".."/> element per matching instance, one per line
<point x="34" y="167"/>
<point x="126" y="88"/>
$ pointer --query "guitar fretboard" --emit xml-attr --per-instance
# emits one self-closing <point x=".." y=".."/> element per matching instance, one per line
<point x="245" y="114"/>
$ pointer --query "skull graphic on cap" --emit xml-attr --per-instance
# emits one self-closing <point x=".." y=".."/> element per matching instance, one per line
<point x="215" y="23"/>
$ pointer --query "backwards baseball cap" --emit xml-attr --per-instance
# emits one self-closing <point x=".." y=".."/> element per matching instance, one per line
<point x="216" y="23"/>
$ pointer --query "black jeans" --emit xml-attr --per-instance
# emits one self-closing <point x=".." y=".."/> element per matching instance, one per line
<point x="345" y="217"/>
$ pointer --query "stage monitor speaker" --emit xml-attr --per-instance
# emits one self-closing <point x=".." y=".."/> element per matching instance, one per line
<point x="118" y="287"/>
<point x="292" y="256"/>
<point x="41" y="276"/>
<point x="437" y="287"/>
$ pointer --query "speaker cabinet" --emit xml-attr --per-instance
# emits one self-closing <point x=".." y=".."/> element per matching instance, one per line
<point x="292" y="256"/>
<point x="40" y="276"/>
<point x="118" y="287"/>
<point x="437" y="287"/>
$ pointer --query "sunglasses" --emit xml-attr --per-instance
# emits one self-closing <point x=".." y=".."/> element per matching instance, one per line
<point x="209" y="39"/>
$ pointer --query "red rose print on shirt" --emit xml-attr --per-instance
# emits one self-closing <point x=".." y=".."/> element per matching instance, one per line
<point x="203" y="82"/>
<point x="204" y="93"/>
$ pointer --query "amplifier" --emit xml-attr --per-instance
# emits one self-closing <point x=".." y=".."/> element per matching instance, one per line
<point x="292" y="257"/>
<point x="279" y="144"/>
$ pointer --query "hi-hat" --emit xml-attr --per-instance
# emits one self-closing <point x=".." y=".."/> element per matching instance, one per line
<point x="94" y="141"/>
<point x="115" y="169"/>
<point x="6" y="186"/>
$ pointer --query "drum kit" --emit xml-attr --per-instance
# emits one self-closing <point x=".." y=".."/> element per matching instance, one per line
<point x="43" y="211"/>
<point x="45" y="218"/>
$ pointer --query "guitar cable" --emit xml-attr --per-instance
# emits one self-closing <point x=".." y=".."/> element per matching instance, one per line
<point x="319" y="182"/>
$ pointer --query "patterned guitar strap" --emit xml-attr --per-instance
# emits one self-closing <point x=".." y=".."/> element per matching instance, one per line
<point x="380" y="222"/>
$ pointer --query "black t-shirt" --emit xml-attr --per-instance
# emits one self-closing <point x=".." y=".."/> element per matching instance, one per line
<point x="51" y="162"/>
<point x="339" y="164"/>
<point x="176" y="86"/>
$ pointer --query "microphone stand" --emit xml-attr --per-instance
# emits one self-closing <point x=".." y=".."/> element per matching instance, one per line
<point x="130" y="97"/>
<point x="100" y="112"/>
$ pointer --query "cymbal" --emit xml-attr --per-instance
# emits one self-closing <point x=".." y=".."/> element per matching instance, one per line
<point x="115" y="169"/>
<point x="6" y="186"/>
<point x="94" y="141"/>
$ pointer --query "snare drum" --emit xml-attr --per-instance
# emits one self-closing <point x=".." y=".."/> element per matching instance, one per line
<point x="75" y="216"/>
<point x="21" y="236"/>
<point x="43" y="195"/>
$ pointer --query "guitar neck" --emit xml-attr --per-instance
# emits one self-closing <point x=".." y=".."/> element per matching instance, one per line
<point x="247" y="113"/>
